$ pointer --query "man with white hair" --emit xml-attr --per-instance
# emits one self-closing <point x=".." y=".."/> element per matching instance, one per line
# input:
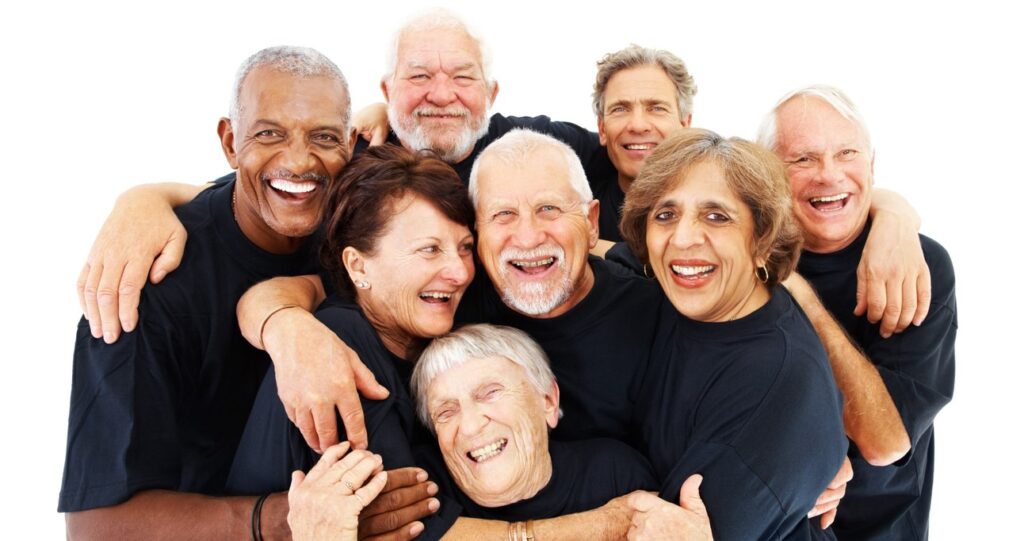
<point x="894" y="387"/>
<point x="156" y="417"/>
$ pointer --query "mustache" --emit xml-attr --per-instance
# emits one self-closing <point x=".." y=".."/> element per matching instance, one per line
<point x="284" y="173"/>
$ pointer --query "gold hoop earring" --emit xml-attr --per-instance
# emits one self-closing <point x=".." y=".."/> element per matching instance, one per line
<point x="762" y="274"/>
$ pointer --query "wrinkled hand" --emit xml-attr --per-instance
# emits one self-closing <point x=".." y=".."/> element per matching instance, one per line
<point x="316" y="375"/>
<point x="893" y="281"/>
<point x="325" y="503"/>
<point x="828" y="503"/>
<point x="142" y="236"/>
<point x="371" y="123"/>
<point x="654" y="518"/>
<point x="395" y="515"/>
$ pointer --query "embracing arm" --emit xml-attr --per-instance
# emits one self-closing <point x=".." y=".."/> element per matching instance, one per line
<point x="893" y="281"/>
<point x="608" y="522"/>
<point x="141" y="237"/>
<point x="870" y="416"/>
<point x="317" y="373"/>
<point x="164" y="514"/>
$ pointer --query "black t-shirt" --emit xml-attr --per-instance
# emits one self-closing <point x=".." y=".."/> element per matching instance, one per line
<point x="164" y="406"/>
<point x="598" y="350"/>
<point x="584" y="475"/>
<point x="272" y="447"/>
<point x="917" y="366"/>
<point x="752" y="406"/>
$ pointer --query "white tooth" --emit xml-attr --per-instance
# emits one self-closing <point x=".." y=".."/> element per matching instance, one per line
<point x="528" y="264"/>
<point x="830" y="198"/>
<point x="436" y="295"/>
<point x="691" y="271"/>
<point x="645" y="146"/>
<point x="487" y="451"/>
<point x="289" y="186"/>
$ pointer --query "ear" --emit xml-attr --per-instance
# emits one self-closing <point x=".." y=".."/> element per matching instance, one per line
<point x="227" y="141"/>
<point x="384" y="89"/>
<point x="551" y="401"/>
<point x="353" y="137"/>
<point x="600" y="131"/>
<point x="686" y="121"/>
<point x="355" y="263"/>
<point x="494" y="92"/>
<point x="593" y="220"/>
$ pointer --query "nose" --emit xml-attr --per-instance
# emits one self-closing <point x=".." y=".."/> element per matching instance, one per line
<point x="831" y="171"/>
<point x="442" y="90"/>
<point x="298" y="157"/>
<point x="473" y="420"/>
<point x="527" y="233"/>
<point x="687" y="234"/>
<point x="457" y="270"/>
<point x="638" y="122"/>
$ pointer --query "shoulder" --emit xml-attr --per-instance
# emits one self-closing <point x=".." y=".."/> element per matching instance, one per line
<point x="940" y="265"/>
<point x="348" y="322"/>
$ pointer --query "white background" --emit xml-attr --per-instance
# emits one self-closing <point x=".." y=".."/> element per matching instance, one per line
<point x="98" y="97"/>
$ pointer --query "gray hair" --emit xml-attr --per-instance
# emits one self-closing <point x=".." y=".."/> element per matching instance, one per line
<point x="438" y="19"/>
<point x="479" y="341"/>
<point x="635" y="56"/>
<point x="517" y="147"/>
<point x="768" y="133"/>
<point x="300" y="61"/>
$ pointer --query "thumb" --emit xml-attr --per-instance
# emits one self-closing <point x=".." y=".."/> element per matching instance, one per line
<point x="367" y="383"/>
<point x="689" y="495"/>
<point x="297" y="478"/>
<point x="169" y="258"/>
<point x="379" y="136"/>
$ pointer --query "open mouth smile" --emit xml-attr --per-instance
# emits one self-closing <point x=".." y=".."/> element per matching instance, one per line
<point x="489" y="451"/>
<point x="830" y="203"/>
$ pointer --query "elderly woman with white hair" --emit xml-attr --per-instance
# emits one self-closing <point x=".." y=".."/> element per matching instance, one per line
<point x="489" y="395"/>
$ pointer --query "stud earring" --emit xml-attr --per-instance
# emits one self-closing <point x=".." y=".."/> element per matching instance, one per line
<point x="363" y="284"/>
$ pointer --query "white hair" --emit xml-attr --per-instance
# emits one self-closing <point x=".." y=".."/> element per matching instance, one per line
<point x="768" y="133"/>
<point x="300" y="61"/>
<point x="517" y="147"/>
<point x="438" y="19"/>
<point x="480" y="341"/>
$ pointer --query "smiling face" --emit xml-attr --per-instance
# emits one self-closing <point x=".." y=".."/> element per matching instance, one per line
<point x="417" y="275"/>
<point x="535" y="233"/>
<point x="437" y="97"/>
<point x="700" y="239"/>
<point x="830" y="166"/>
<point x="288" y="144"/>
<point x="641" y="108"/>
<point x="492" y="428"/>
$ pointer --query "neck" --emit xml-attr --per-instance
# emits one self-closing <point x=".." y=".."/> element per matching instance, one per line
<point x="757" y="297"/>
<point x="625" y="182"/>
<point x="398" y="342"/>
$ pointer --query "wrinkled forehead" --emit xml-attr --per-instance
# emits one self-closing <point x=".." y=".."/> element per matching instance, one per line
<point x="810" y="122"/>
<point x="541" y="174"/>
<point x="273" y="94"/>
<point x="448" y="49"/>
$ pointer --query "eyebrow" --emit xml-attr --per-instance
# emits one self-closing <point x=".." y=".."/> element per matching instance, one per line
<point x="703" y="204"/>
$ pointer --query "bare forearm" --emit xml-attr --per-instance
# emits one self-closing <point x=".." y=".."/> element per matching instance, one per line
<point x="167" y="515"/>
<point x="264" y="298"/>
<point x="886" y="204"/>
<point x="172" y="193"/>
<point x="609" y="522"/>
<point x="870" y="417"/>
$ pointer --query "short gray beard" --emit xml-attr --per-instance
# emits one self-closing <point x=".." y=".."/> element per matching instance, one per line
<point x="411" y="133"/>
<point x="533" y="298"/>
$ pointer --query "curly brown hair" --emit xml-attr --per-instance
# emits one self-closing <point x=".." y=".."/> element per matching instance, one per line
<point x="753" y="173"/>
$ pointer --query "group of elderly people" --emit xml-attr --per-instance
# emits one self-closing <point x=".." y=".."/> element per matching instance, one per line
<point x="683" y="383"/>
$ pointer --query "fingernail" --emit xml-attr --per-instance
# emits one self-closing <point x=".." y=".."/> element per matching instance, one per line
<point x="416" y="529"/>
<point x="108" y="337"/>
<point x="434" y="504"/>
<point x="158" y="275"/>
<point x="432" y="488"/>
<point x="421" y="476"/>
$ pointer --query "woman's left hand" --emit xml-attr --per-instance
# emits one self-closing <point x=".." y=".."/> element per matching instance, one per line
<point x="325" y="503"/>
